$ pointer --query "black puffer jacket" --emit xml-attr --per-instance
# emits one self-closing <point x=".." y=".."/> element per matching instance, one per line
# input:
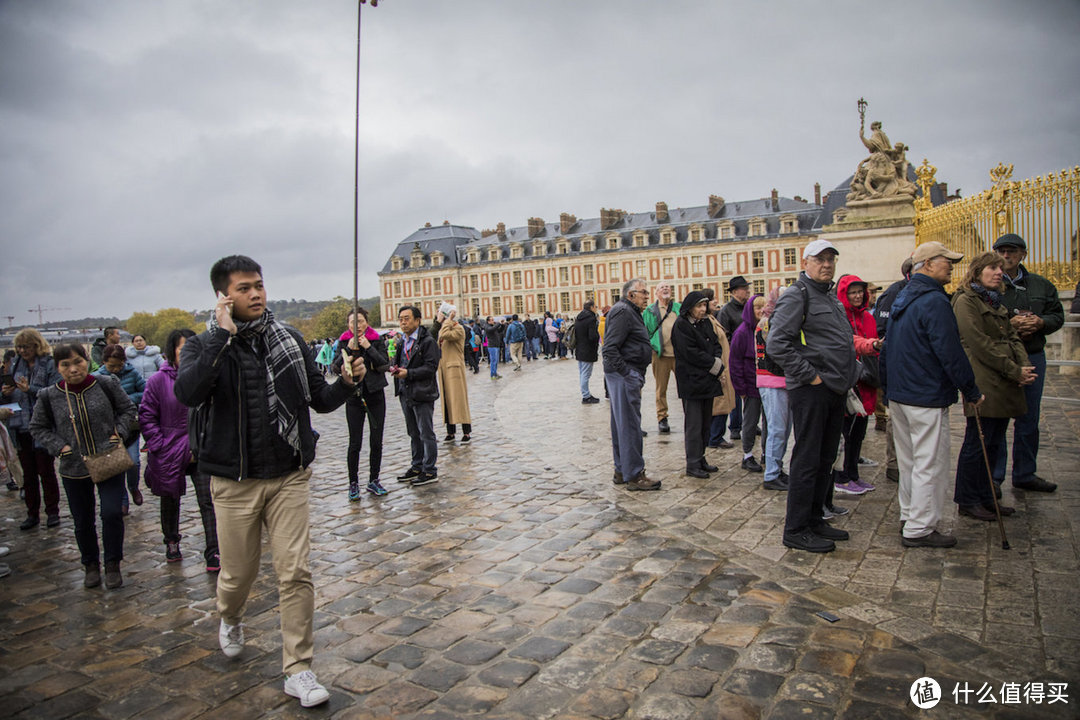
<point x="420" y="384"/>
<point x="376" y="361"/>
<point x="225" y="379"/>
<point x="698" y="355"/>
<point x="587" y="336"/>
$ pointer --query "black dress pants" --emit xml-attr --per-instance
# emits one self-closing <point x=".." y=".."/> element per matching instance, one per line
<point x="817" y="416"/>
<point x="697" y="420"/>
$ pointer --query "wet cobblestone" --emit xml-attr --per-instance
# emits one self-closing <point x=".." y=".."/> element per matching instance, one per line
<point x="525" y="585"/>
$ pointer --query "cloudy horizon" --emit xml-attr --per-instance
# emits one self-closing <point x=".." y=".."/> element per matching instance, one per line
<point x="143" y="140"/>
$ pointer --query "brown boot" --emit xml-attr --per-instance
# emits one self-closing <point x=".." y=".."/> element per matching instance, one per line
<point x="643" y="482"/>
<point x="113" y="579"/>
<point x="93" y="575"/>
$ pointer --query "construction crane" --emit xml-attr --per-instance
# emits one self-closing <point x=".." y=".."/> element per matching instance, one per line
<point x="42" y="310"/>
<point x="9" y="319"/>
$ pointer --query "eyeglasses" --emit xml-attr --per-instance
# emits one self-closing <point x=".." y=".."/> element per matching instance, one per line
<point x="24" y="347"/>
<point x="636" y="292"/>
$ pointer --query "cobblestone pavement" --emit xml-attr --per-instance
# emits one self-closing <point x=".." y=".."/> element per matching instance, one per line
<point x="525" y="585"/>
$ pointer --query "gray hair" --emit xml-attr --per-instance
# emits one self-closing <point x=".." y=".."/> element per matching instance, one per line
<point x="629" y="285"/>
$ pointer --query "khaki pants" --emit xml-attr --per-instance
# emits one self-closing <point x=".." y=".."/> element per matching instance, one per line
<point x="515" y="353"/>
<point x="281" y="506"/>
<point x="922" y="452"/>
<point x="662" y="367"/>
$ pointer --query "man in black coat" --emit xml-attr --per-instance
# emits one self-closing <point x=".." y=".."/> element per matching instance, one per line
<point x="414" y="367"/>
<point x="730" y="317"/>
<point x="253" y="382"/>
<point x="627" y="353"/>
<point x="587" y="348"/>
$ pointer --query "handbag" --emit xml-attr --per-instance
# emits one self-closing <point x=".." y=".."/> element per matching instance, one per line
<point x="871" y="371"/>
<point x="854" y="404"/>
<point x="101" y="465"/>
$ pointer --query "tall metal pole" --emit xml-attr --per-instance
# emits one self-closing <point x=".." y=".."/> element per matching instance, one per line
<point x="356" y="171"/>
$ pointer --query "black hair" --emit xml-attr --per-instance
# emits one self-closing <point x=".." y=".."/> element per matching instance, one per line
<point x="362" y="311"/>
<point x="412" y="309"/>
<point x="64" y="351"/>
<point x="226" y="266"/>
<point x="138" y="335"/>
<point x="514" y="317"/>
<point x="113" y="351"/>
<point x="173" y="340"/>
<point x="105" y="333"/>
<point x="589" y="305"/>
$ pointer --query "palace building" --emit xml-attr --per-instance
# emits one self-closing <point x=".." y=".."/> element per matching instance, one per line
<point x="557" y="266"/>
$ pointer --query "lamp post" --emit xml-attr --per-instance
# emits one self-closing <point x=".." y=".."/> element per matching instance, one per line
<point x="354" y="344"/>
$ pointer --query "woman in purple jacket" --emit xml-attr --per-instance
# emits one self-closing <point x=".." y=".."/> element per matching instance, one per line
<point x="169" y="457"/>
<point x="744" y="379"/>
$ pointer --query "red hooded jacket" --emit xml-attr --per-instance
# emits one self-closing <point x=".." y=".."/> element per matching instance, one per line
<point x="865" y="329"/>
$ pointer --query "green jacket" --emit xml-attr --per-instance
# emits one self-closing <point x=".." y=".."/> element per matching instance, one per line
<point x="652" y="324"/>
<point x="1037" y="294"/>
<point x="995" y="352"/>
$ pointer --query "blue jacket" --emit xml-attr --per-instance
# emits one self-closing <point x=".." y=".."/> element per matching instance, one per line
<point x="923" y="362"/>
<point x="516" y="332"/>
<point x="130" y="379"/>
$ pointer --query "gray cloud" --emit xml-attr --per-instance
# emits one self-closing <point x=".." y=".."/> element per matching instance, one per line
<point x="144" y="140"/>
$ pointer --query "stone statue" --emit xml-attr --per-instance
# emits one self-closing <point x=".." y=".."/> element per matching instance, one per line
<point x="884" y="173"/>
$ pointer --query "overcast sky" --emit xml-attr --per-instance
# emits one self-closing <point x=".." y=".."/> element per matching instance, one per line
<point x="140" y="140"/>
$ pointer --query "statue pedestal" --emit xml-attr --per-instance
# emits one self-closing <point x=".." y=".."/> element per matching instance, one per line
<point x="873" y="237"/>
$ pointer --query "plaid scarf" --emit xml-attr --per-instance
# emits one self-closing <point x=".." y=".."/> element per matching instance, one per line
<point x="287" y="388"/>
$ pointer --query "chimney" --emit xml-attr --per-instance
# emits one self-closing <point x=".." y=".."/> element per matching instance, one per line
<point x="566" y="221"/>
<point x="486" y="233"/>
<point x="661" y="212"/>
<point x="817" y="193"/>
<point x="775" y="201"/>
<point x="427" y="224"/>
<point x="799" y="198"/>
<point x="610" y="218"/>
<point x="500" y="230"/>
<point x="716" y="206"/>
<point x="536" y="227"/>
<point x="445" y="222"/>
<point x="944" y="189"/>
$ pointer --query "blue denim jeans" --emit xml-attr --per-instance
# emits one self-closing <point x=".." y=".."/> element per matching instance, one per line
<point x="1025" y="446"/>
<point x="778" y="422"/>
<point x="493" y="360"/>
<point x="584" y="370"/>
<point x="626" y="443"/>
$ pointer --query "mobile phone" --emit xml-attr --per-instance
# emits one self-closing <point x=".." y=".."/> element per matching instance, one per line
<point x="8" y="379"/>
<point x="222" y="296"/>
<point x="826" y="615"/>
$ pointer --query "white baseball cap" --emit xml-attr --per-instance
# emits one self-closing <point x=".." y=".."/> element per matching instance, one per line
<point x="816" y="247"/>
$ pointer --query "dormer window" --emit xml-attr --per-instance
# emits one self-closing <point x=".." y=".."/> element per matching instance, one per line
<point x="474" y="256"/>
<point x="641" y="239"/>
<point x="539" y="248"/>
<point x="696" y="234"/>
<point x="667" y="237"/>
<point x="725" y="230"/>
<point x="493" y="253"/>
<point x="416" y="260"/>
<point x="613" y="241"/>
<point x="395" y="263"/>
<point x="789" y="224"/>
<point x="562" y="247"/>
<point x="516" y="251"/>
<point x="757" y="227"/>
<point x="436" y="259"/>
<point x="588" y="244"/>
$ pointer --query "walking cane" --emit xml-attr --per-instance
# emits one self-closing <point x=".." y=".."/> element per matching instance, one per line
<point x="990" y="479"/>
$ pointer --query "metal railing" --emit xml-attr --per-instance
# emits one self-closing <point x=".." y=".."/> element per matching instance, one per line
<point x="1044" y="210"/>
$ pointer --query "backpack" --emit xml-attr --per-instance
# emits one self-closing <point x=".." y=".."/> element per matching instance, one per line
<point x="570" y="339"/>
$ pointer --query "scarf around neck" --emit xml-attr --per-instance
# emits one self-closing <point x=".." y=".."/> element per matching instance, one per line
<point x="992" y="297"/>
<point x="287" y="389"/>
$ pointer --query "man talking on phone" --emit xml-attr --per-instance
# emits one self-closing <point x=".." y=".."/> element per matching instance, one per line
<point x="252" y="381"/>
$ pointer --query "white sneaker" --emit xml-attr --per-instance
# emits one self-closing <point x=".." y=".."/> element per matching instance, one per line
<point x="305" y="686"/>
<point x="231" y="639"/>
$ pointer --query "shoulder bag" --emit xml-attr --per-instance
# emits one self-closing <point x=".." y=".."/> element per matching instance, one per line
<point x="102" y="465"/>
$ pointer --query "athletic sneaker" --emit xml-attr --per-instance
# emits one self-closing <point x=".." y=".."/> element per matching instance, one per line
<point x="867" y="462"/>
<point x="375" y="488"/>
<point x="213" y="564"/>
<point x="864" y="484"/>
<point x="833" y="511"/>
<point x="306" y="687"/>
<point x="231" y="639"/>
<point x="172" y="552"/>
<point x="849" y="488"/>
<point x="354" y="491"/>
